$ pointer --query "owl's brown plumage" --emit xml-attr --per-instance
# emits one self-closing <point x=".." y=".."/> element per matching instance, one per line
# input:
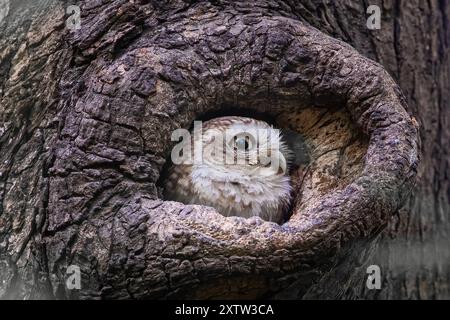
<point x="259" y="186"/>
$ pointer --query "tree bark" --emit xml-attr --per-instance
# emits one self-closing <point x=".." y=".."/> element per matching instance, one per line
<point x="85" y="125"/>
<point x="413" y="46"/>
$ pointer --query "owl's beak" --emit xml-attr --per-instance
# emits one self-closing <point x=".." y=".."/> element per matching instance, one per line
<point x="280" y="163"/>
<point x="282" y="169"/>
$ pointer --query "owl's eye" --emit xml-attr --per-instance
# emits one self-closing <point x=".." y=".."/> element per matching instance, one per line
<point x="242" y="143"/>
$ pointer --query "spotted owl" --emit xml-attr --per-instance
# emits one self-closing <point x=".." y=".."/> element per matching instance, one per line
<point x="241" y="170"/>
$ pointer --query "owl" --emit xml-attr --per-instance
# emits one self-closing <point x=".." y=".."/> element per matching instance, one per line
<point x="239" y="167"/>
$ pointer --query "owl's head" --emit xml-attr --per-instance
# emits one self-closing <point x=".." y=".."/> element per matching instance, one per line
<point x="240" y="167"/>
<point x="238" y="149"/>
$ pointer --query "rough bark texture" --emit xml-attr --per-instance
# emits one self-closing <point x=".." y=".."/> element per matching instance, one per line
<point x="85" y="128"/>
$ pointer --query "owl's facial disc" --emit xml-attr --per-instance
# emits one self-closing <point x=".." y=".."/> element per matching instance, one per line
<point x="246" y="149"/>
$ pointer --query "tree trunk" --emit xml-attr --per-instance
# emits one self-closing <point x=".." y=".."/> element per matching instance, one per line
<point x="86" y="118"/>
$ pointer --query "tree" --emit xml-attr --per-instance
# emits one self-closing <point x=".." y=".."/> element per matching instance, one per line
<point x="87" y="115"/>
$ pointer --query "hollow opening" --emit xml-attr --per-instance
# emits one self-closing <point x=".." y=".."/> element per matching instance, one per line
<point x="328" y="151"/>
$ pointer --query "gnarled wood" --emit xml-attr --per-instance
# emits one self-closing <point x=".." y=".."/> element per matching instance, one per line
<point x="85" y="140"/>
